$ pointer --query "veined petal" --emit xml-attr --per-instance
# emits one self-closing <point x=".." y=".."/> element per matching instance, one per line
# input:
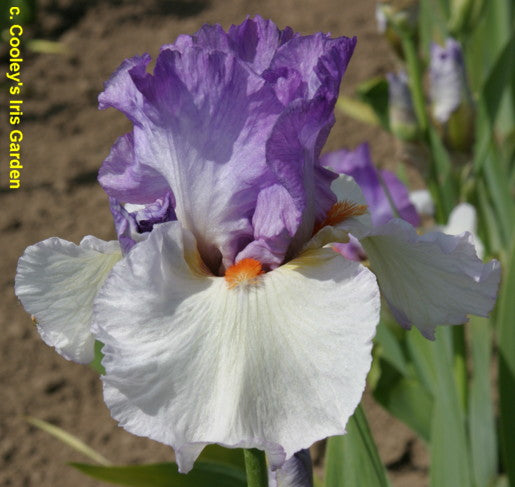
<point x="121" y="93"/>
<point x="134" y="222"/>
<point x="275" y="364"/>
<point x="253" y="42"/>
<point x="296" y="472"/>
<point x="293" y="155"/>
<point x="275" y="222"/>
<point x="57" y="281"/>
<point x="208" y="121"/>
<point x="320" y="61"/>
<point x="433" y="279"/>
<point x="129" y="179"/>
<point x="257" y="40"/>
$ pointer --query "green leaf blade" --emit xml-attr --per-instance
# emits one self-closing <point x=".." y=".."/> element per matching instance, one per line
<point x="506" y="330"/>
<point x="166" y="475"/>
<point x="352" y="459"/>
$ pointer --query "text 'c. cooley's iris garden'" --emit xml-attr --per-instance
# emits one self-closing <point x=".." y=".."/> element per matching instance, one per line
<point x="227" y="312"/>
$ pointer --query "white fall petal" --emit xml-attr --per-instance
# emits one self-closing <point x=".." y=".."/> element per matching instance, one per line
<point x="57" y="281"/>
<point x="275" y="364"/>
<point x="429" y="280"/>
<point x="433" y="279"/>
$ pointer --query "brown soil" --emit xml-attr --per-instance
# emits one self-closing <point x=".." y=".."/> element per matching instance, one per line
<point x="66" y="139"/>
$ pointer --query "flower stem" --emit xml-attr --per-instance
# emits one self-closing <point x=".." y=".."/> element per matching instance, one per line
<point x="255" y="464"/>
<point x="415" y="80"/>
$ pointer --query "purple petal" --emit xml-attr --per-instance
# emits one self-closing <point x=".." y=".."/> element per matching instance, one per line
<point x="351" y="250"/>
<point x="209" y="119"/>
<point x="358" y="164"/>
<point x="133" y="222"/>
<point x="400" y="197"/>
<point x="130" y="179"/>
<point x="293" y="155"/>
<point x="295" y="472"/>
<point x="219" y="134"/>
<point x="275" y="222"/>
<point x="120" y="91"/>
<point x="256" y="41"/>
<point x="320" y="61"/>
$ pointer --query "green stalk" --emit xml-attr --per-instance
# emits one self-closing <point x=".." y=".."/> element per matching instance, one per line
<point x="460" y="365"/>
<point x="415" y="80"/>
<point x="255" y="465"/>
<point x="441" y="168"/>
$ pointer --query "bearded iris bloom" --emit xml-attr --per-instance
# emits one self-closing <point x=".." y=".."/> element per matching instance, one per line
<point x="226" y="315"/>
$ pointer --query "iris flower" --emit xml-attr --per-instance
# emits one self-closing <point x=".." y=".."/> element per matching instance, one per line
<point x="448" y="80"/>
<point x="226" y="315"/>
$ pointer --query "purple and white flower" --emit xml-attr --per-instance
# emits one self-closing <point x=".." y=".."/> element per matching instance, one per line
<point x="448" y="80"/>
<point x="229" y="319"/>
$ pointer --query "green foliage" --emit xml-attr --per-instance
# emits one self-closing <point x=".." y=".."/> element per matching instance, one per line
<point x="166" y="475"/>
<point x="506" y="330"/>
<point x="96" y="364"/>
<point x="352" y="459"/>
<point x="69" y="440"/>
<point x="374" y="93"/>
<point x="26" y="15"/>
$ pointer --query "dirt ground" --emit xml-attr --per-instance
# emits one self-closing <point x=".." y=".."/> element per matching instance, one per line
<point x="65" y="140"/>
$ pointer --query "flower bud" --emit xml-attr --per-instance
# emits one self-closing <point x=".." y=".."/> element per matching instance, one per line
<point x="403" y="121"/>
<point x="451" y="100"/>
<point x="394" y="16"/>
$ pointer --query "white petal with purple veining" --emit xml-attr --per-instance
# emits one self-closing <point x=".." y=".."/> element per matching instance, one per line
<point x="433" y="279"/>
<point x="192" y="361"/>
<point x="57" y="281"/>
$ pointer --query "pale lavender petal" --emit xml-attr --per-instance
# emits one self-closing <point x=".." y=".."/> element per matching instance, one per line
<point x="351" y="250"/>
<point x="209" y="119"/>
<point x="129" y="179"/>
<point x="296" y="472"/>
<point x="320" y="60"/>
<point x="358" y="164"/>
<point x="293" y="155"/>
<point x="120" y="91"/>
<point x="125" y="226"/>
<point x="433" y="279"/>
<point x="275" y="222"/>
<point x="403" y="121"/>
